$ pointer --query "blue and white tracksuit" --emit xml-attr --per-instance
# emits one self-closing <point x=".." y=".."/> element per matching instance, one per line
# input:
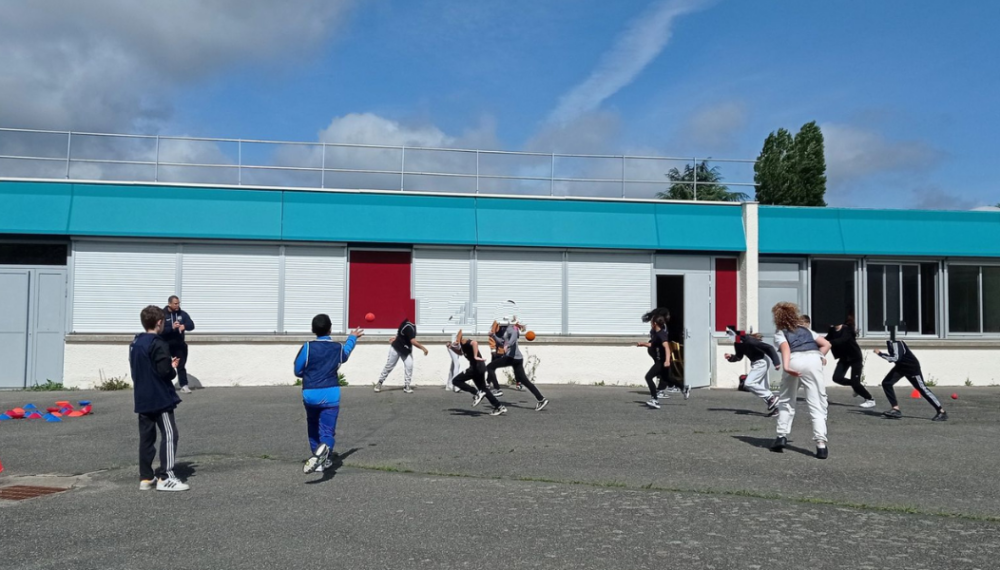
<point x="317" y="364"/>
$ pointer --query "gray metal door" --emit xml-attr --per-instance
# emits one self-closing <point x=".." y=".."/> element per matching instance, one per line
<point x="48" y="325"/>
<point x="697" y="329"/>
<point x="15" y="294"/>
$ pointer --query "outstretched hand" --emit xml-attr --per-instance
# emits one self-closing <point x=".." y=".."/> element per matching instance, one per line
<point x="358" y="332"/>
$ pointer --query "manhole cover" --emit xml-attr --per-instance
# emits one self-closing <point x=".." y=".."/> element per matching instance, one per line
<point x="22" y="492"/>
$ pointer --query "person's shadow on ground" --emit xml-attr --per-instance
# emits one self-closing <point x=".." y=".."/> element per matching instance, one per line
<point x="338" y="462"/>
<point x="765" y="443"/>
<point x="739" y="412"/>
<point x="466" y="412"/>
<point x="185" y="470"/>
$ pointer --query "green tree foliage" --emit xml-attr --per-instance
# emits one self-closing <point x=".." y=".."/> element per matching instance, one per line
<point x="792" y="171"/>
<point x="682" y="185"/>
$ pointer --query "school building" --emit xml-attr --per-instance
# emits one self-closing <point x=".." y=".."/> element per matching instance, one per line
<point x="252" y="265"/>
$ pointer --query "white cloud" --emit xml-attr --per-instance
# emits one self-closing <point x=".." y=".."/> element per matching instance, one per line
<point x="854" y="152"/>
<point x="638" y="45"/>
<point x="111" y="65"/>
<point x="715" y="127"/>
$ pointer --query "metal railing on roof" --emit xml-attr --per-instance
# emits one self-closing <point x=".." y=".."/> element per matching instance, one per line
<point x="38" y="154"/>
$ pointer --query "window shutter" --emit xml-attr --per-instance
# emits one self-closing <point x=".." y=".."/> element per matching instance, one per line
<point x="231" y="288"/>
<point x="609" y="293"/>
<point x="314" y="283"/>
<point x="441" y="289"/>
<point x="532" y="279"/>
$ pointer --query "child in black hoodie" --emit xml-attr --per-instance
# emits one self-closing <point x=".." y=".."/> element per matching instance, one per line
<point x="153" y="372"/>
<point x="844" y="343"/>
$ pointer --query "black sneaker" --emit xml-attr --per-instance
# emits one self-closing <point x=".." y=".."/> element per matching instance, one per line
<point x="779" y="444"/>
<point x="541" y="404"/>
<point x="743" y="381"/>
<point x="940" y="417"/>
<point x="499" y="411"/>
<point x="822" y="452"/>
<point x="478" y="398"/>
<point x="893" y="414"/>
<point x="772" y="404"/>
<point x="687" y="392"/>
<point x="497" y="392"/>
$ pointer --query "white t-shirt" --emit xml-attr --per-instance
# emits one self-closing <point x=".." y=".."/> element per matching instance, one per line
<point x="779" y="337"/>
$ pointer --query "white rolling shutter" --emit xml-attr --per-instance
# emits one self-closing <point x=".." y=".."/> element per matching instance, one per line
<point x="441" y="288"/>
<point x="314" y="283"/>
<point x="231" y="288"/>
<point x="532" y="279"/>
<point x="114" y="281"/>
<point x="609" y="292"/>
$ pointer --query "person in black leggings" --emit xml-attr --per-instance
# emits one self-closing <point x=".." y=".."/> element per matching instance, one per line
<point x="658" y="348"/>
<point x="512" y="358"/>
<point x="844" y="342"/>
<point x="477" y="373"/>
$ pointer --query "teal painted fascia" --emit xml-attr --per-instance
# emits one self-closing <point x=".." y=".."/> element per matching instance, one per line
<point x="175" y="212"/>
<point x="35" y="207"/>
<point x="379" y="218"/>
<point x="700" y="227"/>
<point x="838" y="231"/>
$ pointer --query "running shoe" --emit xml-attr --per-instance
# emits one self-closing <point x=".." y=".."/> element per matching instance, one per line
<point x="478" y="398"/>
<point x="687" y="392"/>
<point x="407" y="389"/>
<point x="779" y="445"/>
<point x="518" y="387"/>
<point x="499" y="411"/>
<point x="662" y="395"/>
<point x="673" y="389"/>
<point x="378" y="386"/>
<point x="772" y="403"/>
<point x="743" y="381"/>
<point x="867" y="404"/>
<point x="320" y="457"/>
<point x="171" y="484"/>
<point x="496" y="392"/>
<point x="940" y="417"/>
<point x="653" y="404"/>
<point x="326" y="465"/>
<point x="147" y="484"/>
<point x="893" y="413"/>
<point x="185" y="390"/>
<point x="822" y="452"/>
<point x="541" y="404"/>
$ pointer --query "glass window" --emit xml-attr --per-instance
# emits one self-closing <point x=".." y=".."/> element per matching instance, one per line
<point x="832" y="287"/>
<point x="876" y="298"/>
<point x="963" y="298"/>
<point x="991" y="299"/>
<point x="902" y="295"/>
<point x="928" y="298"/>
<point x="33" y="253"/>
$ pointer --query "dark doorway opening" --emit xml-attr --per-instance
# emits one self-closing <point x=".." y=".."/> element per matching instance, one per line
<point x="670" y="294"/>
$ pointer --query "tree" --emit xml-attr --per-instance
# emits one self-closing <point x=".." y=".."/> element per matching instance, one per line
<point x="792" y="171"/>
<point x="682" y="185"/>
<point x="810" y="166"/>
<point x="772" y="173"/>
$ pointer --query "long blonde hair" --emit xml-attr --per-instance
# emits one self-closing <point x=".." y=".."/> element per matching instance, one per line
<point x="786" y="316"/>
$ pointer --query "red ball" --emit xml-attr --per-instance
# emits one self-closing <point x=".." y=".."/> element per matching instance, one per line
<point x="954" y="396"/>
<point x="370" y="317"/>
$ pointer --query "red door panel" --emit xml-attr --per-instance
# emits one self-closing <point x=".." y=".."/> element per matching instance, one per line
<point x="380" y="284"/>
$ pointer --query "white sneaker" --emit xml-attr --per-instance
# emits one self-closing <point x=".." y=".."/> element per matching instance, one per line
<point x="867" y="404"/>
<point x="407" y="389"/>
<point x="147" y="485"/>
<point x="661" y="395"/>
<point x="326" y="465"/>
<point x="456" y="389"/>
<point x="378" y="386"/>
<point x="185" y="390"/>
<point x="171" y="484"/>
<point x="653" y="404"/>
<point x="318" y="459"/>
<point x="478" y="398"/>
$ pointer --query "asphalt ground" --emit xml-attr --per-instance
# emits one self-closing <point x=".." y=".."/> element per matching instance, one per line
<point x="596" y="480"/>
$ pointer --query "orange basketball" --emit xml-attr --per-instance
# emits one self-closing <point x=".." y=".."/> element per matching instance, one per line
<point x="530" y="335"/>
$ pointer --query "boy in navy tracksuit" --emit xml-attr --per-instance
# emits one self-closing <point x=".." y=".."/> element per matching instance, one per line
<point x="153" y="372"/>
<point x="905" y="365"/>
<point x="317" y="365"/>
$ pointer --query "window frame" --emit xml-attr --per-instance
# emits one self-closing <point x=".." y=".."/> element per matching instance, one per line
<point x="860" y="294"/>
<point x="940" y="297"/>
<point x="979" y="264"/>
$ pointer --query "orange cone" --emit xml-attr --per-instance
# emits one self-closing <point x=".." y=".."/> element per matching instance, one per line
<point x="915" y="394"/>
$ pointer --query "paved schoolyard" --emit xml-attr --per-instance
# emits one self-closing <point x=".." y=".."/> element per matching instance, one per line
<point x="594" y="481"/>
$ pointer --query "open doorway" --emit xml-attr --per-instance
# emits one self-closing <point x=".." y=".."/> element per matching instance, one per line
<point x="670" y="295"/>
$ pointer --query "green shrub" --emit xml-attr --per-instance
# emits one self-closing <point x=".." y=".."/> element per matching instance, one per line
<point x="49" y="386"/>
<point x="113" y="383"/>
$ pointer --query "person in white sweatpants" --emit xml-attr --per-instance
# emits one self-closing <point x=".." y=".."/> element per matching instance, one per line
<point x="455" y="352"/>
<point x="802" y="354"/>
<point x="401" y="347"/>
<point x="758" y="353"/>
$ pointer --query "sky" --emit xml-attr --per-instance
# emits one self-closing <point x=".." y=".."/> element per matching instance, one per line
<point x="903" y="90"/>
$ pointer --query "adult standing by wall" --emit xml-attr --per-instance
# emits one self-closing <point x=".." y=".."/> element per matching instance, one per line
<point x="176" y="322"/>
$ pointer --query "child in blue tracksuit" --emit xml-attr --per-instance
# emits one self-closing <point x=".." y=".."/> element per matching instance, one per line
<point x="317" y="364"/>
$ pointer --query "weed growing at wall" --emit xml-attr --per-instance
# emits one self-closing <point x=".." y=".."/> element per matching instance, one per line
<point x="49" y="386"/>
<point x="112" y="383"/>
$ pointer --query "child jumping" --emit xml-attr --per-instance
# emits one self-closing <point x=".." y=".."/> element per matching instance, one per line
<point x="802" y="353"/>
<point x="758" y="353"/>
<point x="905" y="365"/>
<point x="401" y="347"/>
<point x="317" y="364"/>
<point x="153" y="372"/>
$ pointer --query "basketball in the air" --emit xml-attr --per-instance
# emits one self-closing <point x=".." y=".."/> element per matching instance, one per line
<point x="370" y="317"/>
<point x="530" y="335"/>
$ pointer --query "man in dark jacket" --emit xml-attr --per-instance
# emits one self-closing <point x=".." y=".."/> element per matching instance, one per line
<point x="176" y="323"/>
<point x="155" y="400"/>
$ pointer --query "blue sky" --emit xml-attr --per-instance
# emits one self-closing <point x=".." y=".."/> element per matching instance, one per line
<point x="904" y="90"/>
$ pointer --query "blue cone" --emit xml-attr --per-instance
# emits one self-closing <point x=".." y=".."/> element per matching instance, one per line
<point x="5" y="417"/>
<point x="51" y="418"/>
<point x="84" y="403"/>
<point x="30" y="407"/>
